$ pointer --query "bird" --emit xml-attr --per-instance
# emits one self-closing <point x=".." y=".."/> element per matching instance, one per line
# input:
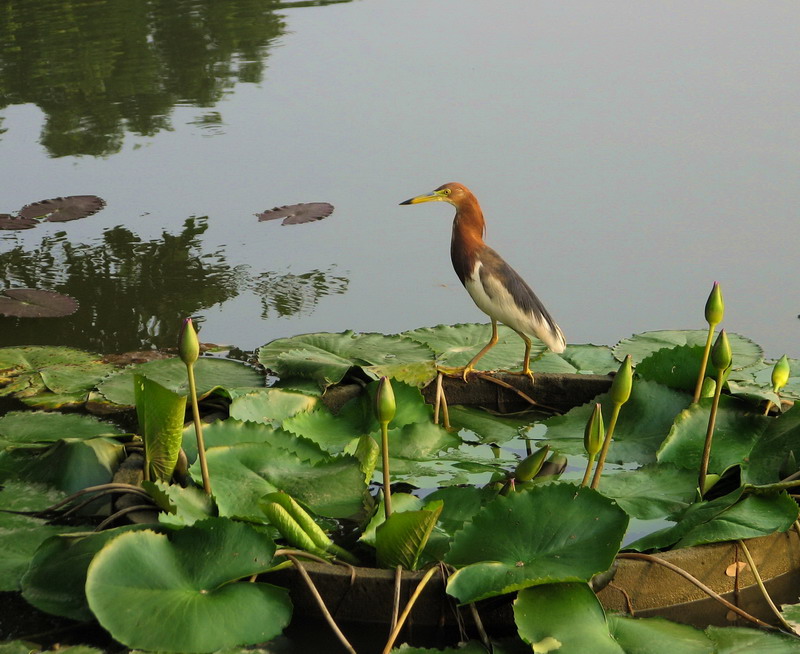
<point x="495" y="287"/>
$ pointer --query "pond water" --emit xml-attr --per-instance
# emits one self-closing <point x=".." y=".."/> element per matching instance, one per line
<point x="626" y="156"/>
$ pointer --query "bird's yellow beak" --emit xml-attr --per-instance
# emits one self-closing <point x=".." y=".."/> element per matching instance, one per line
<point x="436" y="196"/>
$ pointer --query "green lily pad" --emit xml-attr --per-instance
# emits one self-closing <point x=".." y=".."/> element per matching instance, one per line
<point x="156" y="592"/>
<point x="658" y="636"/>
<point x="210" y="374"/>
<point x="736" y="430"/>
<point x="401" y="539"/>
<point x="640" y="346"/>
<point x="652" y="491"/>
<point x="487" y="427"/>
<point x="270" y="406"/>
<point x="55" y="580"/>
<point x="232" y="431"/>
<point x="552" y="532"/>
<point x="738" y="640"/>
<point x="27" y="371"/>
<point x="327" y="358"/>
<point x="180" y="506"/>
<point x="644" y="422"/>
<point x="39" y="428"/>
<point x="455" y="345"/>
<point x="68" y="466"/>
<point x="242" y="474"/>
<point x="564" y="617"/>
<point x="594" y="359"/>
<point x="725" y="518"/>
<point x="781" y="437"/>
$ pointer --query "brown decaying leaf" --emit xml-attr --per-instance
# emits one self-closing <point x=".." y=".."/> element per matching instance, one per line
<point x="7" y="221"/>
<point x="35" y="303"/>
<point x="296" y="214"/>
<point x="59" y="210"/>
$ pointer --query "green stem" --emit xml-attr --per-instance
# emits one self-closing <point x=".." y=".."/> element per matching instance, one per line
<point x="588" y="472"/>
<point x="704" y="363"/>
<point x="198" y="430"/>
<point x="387" y="491"/>
<point x="407" y="610"/>
<point x="763" y="588"/>
<point x="712" y="419"/>
<point x="606" y="444"/>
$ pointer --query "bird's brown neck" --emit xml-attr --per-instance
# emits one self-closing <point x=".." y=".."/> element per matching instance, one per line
<point x="467" y="239"/>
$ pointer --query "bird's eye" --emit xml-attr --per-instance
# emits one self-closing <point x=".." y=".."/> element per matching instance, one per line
<point x="445" y="191"/>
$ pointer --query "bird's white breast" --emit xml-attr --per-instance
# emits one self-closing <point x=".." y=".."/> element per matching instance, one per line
<point x="495" y="300"/>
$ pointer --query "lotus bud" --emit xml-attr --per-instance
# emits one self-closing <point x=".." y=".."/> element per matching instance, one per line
<point x="715" y="306"/>
<point x="780" y="374"/>
<point x="721" y="355"/>
<point x="552" y="468"/>
<point x="623" y="381"/>
<point x="530" y="465"/>
<point x="595" y="432"/>
<point x="708" y="388"/>
<point x="385" y="406"/>
<point x="189" y="346"/>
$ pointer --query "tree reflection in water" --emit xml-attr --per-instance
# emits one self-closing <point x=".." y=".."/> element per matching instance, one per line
<point x="134" y="294"/>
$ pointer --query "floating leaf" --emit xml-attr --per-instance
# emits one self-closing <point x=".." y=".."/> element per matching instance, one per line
<point x="563" y="618"/>
<point x="232" y="431"/>
<point x="736" y="640"/>
<point x="7" y="221"/>
<point x="595" y="359"/>
<point x="296" y="214"/>
<point x="487" y="427"/>
<point x="270" y="405"/>
<point x="244" y="473"/>
<point x="157" y="593"/>
<point x="29" y="428"/>
<point x="210" y="374"/>
<point x="455" y="345"/>
<point x="552" y="532"/>
<point x="736" y="430"/>
<point x="401" y="539"/>
<point x="725" y="518"/>
<point x="36" y="303"/>
<point x="59" y="210"/>
<point x="327" y="357"/>
<point x="32" y="370"/>
<point x="652" y="491"/>
<point x="644" y="422"/>
<point x="782" y="437"/>
<point x="56" y="577"/>
<point x="640" y="346"/>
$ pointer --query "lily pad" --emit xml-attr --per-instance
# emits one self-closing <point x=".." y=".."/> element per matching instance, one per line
<point x="296" y="214"/>
<point x="210" y="374"/>
<point x="242" y="474"/>
<point x="725" y="518"/>
<point x="40" y="428"/>
<point x="552" y="532"/>
<point x="162" y="593"/>
<point x="7" y="221"/>
<point x="782" y="436"/>
<point x="736" y="430"/>
<point x="640" y="346"/>
<point x="455" y="345"/>
<point x="644" y="422"/>
<point x="327" y="358"/>
<point x="36" y="303"/>
<point x="59" y="210"/>
<point x="652" y="491"/>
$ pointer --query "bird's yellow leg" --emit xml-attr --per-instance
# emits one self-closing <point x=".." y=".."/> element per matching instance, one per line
<point x="526" y="365"/>
<point x="492" y="342"/>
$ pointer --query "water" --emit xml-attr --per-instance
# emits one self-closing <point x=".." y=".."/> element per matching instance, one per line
<point x="626" y="156"/>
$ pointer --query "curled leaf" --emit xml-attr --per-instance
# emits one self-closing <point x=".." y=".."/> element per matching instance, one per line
<point x="59" y="210"/>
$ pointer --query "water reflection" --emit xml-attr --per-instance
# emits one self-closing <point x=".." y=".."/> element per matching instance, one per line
<point x="133" y="294"/>
<point x="100" y="69"/>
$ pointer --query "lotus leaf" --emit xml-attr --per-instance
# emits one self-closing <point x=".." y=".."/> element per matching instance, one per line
<point x="551" y="532"/>
<point x="155" y="592"/>
<point x="640" y="346"/>
<point x="40" y="428"/>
